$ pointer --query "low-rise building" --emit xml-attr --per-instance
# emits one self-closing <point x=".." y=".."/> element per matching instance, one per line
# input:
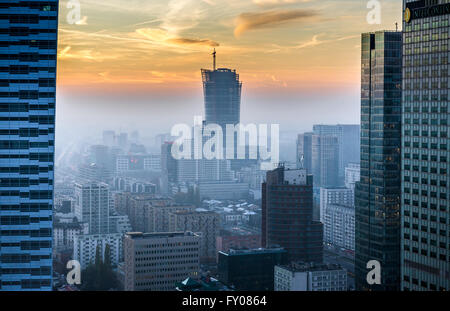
<point x="85" y="248"/>
<point x="300" y="276"/>
<point x="64" y="234"/>
<point x="250" y="270"/>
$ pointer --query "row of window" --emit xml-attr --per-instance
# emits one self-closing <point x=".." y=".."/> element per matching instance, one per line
<point x="44" y="120"/>
<point x="33" y="194"/>
<point x="24" y="107"/>
<point x="26" y="207"/>
<point x="415" y="203"/>
<point x="427" y="25"/>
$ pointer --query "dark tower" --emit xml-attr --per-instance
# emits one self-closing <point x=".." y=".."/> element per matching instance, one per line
<point x="377" y="195"/>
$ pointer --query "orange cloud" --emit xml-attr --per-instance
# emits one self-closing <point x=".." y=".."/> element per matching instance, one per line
<point x="250" y="21"/>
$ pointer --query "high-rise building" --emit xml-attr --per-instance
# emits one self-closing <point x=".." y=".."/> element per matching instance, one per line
<point x="169" y="164"/>
<point x="377" y="195"/>
<point x="319" y="155"/>
<point x="222" y="95"/>
<point x="28" y="51"/>
<point x="250" y="270"/>
<point x="335" y="196"/>
<point x="328" y="161"/>
<point x="157" y="261"/>
<point x="348" y="136"/>
<point x="425" y="202"/>
<point x="287" y="205"/>
<point x="222" y="92"/>
<point x="352" y="175"/>
<point x="304" y="152"/>
<point x="339" y="226"/>
<point x="92" y="206"/>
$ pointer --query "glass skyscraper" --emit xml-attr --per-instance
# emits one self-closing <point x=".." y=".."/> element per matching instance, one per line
<point x="222" y="91"/>
<point x="28" y="49"/>
<point x="425" y="236"/>
<point x="377" y="195"/>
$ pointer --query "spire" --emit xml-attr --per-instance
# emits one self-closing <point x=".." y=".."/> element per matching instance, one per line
<point x="214" y="59"/>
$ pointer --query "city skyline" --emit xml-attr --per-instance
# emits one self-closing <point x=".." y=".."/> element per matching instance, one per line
<point x="327" y="183"/>
<point x="147" y="62"/>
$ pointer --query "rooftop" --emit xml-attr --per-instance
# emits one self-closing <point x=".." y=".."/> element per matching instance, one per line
<point x="236" y="252"/>
<point x="140" y="235"/>
<point x="309" y="267"/>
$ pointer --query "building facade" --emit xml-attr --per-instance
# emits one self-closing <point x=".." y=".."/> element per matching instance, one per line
<point x="348" y="136"/>
<point x="205" y="224"/>
<point x="250" y="270"/>
<point x="425" y="205"/>
<point x="335" y="196"/>
<point x="92" y="206"/>
<point x="85" y="248"/>
<point x="352" y="175"/>
<point x="303" y="277"/>
<point x="288" y="215"/>
<point x="28" y="51"/>
<point x="339" y="226"/>
<point x="377" y="195"/>
<point x="157" y="261"/>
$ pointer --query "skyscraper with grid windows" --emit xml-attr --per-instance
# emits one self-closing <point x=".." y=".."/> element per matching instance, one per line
<point x="425" y="208"/>
<point x="28" y="50"/>
<point x="377" y="195"/>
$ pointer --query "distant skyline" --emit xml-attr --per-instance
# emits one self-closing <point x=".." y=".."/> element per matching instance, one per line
<point x="136" y="64"/>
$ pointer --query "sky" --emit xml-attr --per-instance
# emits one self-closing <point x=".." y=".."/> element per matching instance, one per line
<point x="135" y="64"/>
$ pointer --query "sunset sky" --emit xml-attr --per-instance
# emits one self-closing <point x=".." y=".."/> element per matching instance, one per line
<point x="137" y="62"/>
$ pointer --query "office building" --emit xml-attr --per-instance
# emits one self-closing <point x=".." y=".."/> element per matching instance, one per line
<point x="237" y="238"/>
<point x="157" y="261"/>
<point x="250" y="270"/>
<point x="304" y="152"/>
<point x="348" y="136"/>
<point x="206" y="224"/>
<point x="377" y="195"/>
<point x="303" y="277"/>
<point x="319" y="155"/>
<point x="28" y="32"/>
<point x="425" y="205"/>
<point x="287" y="215"/>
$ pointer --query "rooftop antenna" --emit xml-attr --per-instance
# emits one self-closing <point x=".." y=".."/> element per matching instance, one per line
<point x="396" y="26"/>
<point x="214" y="59"/>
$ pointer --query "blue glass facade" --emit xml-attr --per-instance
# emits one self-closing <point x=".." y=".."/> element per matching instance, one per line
<point x="28" y="50"/>
<point x="377" y="195"/>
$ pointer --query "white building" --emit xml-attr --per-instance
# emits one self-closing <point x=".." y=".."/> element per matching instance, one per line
<point x="92" y="205"/>
<point x="310" y="277"/>
<point x="339" y="196"/>
<point x="352" y="175"/>
<point x="85" y="248"/>
<point x="64" y="234"/>
<point x="339" y="226"/>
